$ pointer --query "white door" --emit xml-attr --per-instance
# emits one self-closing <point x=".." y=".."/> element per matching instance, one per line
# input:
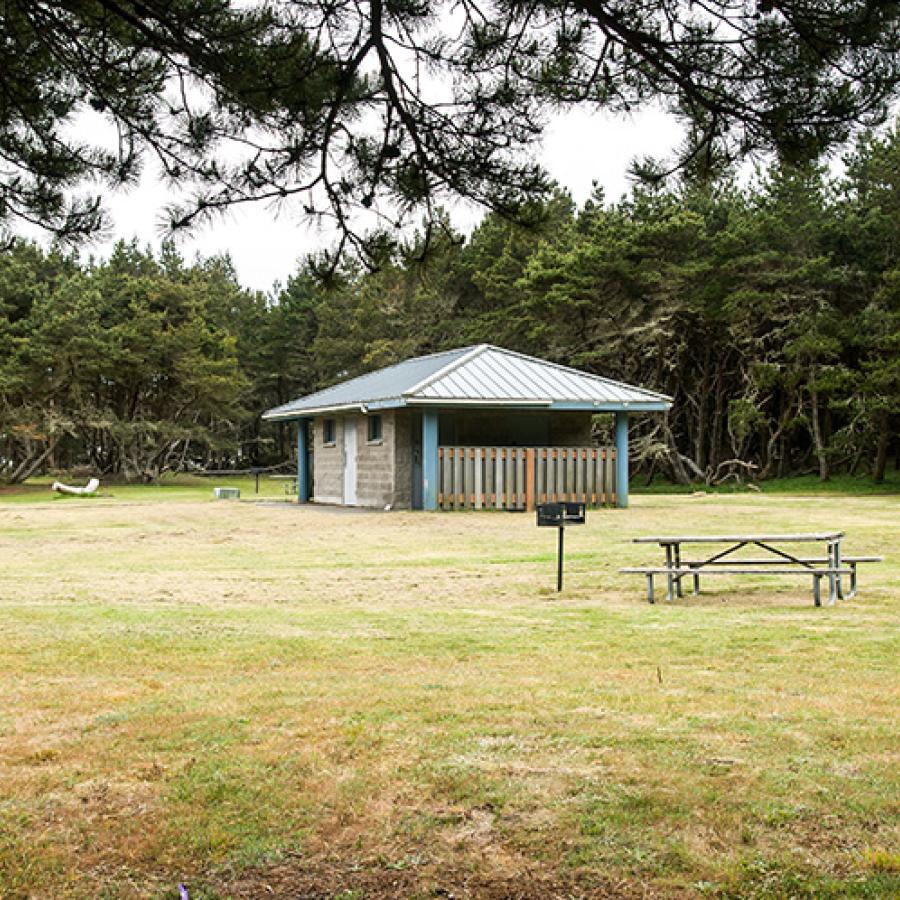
<point x="349" y="462"/>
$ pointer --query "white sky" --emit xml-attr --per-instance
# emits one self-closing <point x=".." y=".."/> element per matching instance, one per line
<point x="579" y="148"/>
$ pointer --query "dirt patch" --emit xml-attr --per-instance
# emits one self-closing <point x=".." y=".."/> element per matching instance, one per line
<point x="12" y="490"/>
<point x="329" y="878"/>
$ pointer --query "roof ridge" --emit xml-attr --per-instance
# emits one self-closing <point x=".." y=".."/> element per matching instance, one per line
<point x="468" y="354"/>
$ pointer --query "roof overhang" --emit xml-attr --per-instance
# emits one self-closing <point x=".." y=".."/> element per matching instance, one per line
<point x="600" y="406"/>
<point x="595" y="406"/>
<point x="293" y="415"/>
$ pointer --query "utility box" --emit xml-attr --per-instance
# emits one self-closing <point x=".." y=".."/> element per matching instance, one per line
<point x="227" y="493"/>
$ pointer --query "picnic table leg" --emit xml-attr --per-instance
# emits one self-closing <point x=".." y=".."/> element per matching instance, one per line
<point x="831" y="584"/>
<point x="650" y="587"/>
<point x="669" y="585"/>
<point x="817" y="596"/>
<point x="852" y="580"/>
<point x="834" y="555"/>
<point x="835" y="588"/>
<point x="837" y="565"/>
<point x="696" y="582"/>
<point x="678" y="586"/>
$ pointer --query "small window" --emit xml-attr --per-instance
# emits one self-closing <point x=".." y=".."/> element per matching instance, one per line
<point x="328" y="432"/>
<point x="374" y="429"/>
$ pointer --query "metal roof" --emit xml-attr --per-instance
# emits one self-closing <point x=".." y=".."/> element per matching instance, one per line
<point x="482" y="375"/>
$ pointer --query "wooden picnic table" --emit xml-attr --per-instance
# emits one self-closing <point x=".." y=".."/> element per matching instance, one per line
<point x="725" y="562"/>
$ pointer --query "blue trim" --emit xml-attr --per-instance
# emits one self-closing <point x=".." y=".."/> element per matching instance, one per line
<point x="303" y="461"/>
<point x="610" y="406"/>
<point x="621" y="459"/>
<point x="429" y="458"/>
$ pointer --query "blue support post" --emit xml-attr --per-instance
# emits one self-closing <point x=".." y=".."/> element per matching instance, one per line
<point x="622" y="459"/>
<point x="429" y="458"/>
<point x="303" y="461"/>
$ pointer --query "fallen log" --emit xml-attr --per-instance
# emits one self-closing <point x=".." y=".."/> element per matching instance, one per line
<point x="89" y="488"/>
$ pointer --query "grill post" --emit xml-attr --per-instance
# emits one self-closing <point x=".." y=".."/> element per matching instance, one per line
<point x="559" y="559"/>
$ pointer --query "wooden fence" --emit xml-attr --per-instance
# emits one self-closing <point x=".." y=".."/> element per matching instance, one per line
<point x="520" y="477"/>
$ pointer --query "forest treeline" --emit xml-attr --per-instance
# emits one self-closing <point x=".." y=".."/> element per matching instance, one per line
<point x="770" y="312"/>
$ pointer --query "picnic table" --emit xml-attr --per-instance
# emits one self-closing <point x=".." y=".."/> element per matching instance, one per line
<point x="290" y="483"/>
<point x="777" y="560"/>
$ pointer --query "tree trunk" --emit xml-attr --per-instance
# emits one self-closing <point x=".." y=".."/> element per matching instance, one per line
<point x="776" y="440"/>
<point x="881" y="451"/>
<point x="720" y="413"/>
<point x="821" y="456"/>
<point x="30" y="465"/>
<point x="700" y="454"/>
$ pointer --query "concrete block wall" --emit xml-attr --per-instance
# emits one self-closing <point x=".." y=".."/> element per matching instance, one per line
<point x="375" y="471"/>
<point x="328" y="462"/>
<point x="375" y="461"/>
<point x="402" y="459"/>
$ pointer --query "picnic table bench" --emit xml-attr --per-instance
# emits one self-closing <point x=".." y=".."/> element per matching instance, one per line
<point x="290" y="483"/>
<point x="778" y="561"/>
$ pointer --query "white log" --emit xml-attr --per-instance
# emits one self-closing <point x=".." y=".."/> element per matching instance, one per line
<point x="89" y="488"/>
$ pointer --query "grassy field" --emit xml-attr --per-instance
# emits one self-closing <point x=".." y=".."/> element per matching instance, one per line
<point x="261" y="700"/>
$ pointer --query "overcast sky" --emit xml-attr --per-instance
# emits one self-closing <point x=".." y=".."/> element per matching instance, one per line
<point x="579" y="148"/>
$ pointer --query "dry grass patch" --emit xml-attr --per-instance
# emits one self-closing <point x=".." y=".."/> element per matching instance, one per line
<point x="266" y="700"/>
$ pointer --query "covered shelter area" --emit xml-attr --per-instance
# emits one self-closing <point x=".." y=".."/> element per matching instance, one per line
<point x="476" y="427"/>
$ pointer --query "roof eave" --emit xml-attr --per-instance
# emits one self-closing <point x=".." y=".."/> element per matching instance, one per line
<point x="289" y="415"/>
<point x="598" y="406"/>
<point x="614" y="405"/>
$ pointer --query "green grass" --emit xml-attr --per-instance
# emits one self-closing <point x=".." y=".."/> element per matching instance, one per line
<point x="254" y="698"/>
<point x="192" y="487"/>
<point x="169" y="488"/>
<point x="794" y="485"/>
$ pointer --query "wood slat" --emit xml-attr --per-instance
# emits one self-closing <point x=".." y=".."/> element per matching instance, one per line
<point x="509" y="478"/>
<point x="580" y="466"/>
<point x="490" y="468"/>
<point x="601" y="475"/>
<point x="530" y="477"/>
<point x="611" y="475"/>
<point x="542" y="475"/>
<point x="478" y="484"/>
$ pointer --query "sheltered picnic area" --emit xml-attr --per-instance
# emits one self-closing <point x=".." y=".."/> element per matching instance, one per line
<point x="475" y="427"/>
